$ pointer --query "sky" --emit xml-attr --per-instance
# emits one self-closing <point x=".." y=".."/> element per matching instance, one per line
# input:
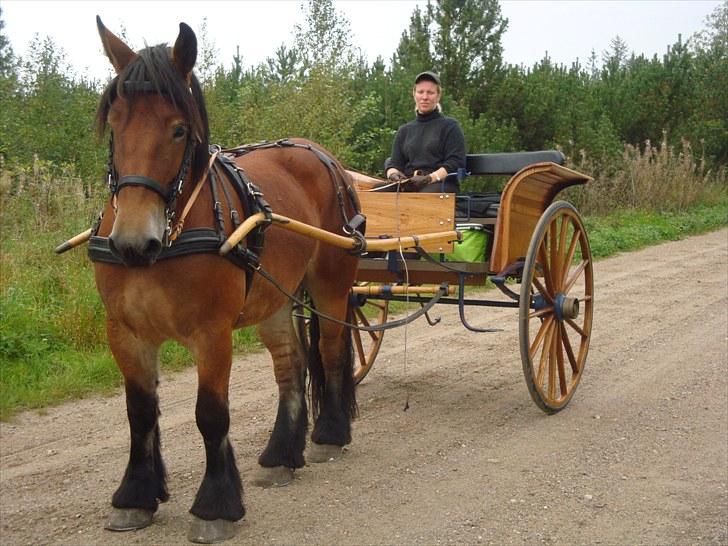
<point x="565" y="29"/>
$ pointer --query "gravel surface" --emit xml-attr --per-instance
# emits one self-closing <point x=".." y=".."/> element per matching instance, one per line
<point x="640" y="456"/>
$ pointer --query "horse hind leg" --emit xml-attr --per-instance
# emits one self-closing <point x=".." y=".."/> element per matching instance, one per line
<point x="330" y="364"/>
<point x="144" y="483"/>
<point x="284" y="451"/>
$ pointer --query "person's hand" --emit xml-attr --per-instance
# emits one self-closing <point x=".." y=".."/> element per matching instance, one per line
<point x="396" y="176"/>
<point x="419" y="181"/>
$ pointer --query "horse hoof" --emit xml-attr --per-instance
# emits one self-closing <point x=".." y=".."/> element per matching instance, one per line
<point x="204" y="531"/>
<point x="323" y="453"/>
<point x="276" y="476"/>
<point x="128" y="519"/>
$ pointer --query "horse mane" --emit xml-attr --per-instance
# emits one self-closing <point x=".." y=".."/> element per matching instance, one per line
<point x="154" y="64"/>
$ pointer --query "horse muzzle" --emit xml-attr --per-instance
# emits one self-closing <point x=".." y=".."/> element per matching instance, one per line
<point x="138" y="235"/>
<point x="136" y="252"/>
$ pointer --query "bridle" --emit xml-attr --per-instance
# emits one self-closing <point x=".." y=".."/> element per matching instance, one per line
<point x="168" y="193"/>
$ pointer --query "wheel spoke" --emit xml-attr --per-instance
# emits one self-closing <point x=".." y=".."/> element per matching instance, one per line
<point x="552" y="368"/>
<point x="569" y="350"/>
<point x="359" y="348"/>
<point x="545" y="325"/>
<point x="542" y="290"/>
<point x="363" y="320"/>
<point x="570" y="254"/>
<point x="544" y="356"/>
<point x="576" y="327"/>
<point x="553" y="254"/>
<point x="560" y="363"/>
<point x="541" y="312"/>
<point x="545" y="266"/>
<point x="575" y="275"/>
<point x="561" y="250"/>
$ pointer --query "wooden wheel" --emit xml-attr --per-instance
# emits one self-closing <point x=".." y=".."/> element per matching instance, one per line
<point x="556" y="307"/>
<point x="367" y="344"/>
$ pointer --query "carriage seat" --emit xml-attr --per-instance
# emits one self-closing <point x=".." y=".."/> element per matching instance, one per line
<point x="504" y="162"/>
<point x="509" y="162"/>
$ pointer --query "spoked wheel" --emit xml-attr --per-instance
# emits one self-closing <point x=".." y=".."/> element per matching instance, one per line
<point x="365" y="312"/>
<point x="366" y="344"/>
<point x="556" y="307"/>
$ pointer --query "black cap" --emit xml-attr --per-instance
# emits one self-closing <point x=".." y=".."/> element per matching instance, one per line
<point x="427" y="75"/>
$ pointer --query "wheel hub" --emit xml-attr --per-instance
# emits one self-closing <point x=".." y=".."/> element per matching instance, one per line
<point x="566" y="308"/>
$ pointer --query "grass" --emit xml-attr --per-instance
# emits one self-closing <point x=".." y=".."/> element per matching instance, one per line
<point x="52" y="340"/>
<point x="624" y="231"/>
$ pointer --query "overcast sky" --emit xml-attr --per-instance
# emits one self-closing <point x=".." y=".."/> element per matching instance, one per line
<point x="567" y="30"/>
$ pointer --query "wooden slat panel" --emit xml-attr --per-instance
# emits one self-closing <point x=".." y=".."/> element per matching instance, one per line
<point x="405" y="214"/>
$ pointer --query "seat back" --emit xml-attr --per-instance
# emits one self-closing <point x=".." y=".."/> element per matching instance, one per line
<point x="511" y="162"/>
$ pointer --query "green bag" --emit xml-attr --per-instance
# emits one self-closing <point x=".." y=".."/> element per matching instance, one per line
<point x="472" y="247"/>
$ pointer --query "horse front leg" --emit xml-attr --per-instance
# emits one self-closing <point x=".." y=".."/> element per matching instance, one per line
<point x="284" y="451"/>
<point x="218" y="502"/>
<point x="144" y="483"/>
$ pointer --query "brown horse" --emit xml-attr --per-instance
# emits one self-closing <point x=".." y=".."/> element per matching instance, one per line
<point x="162" y="280"/>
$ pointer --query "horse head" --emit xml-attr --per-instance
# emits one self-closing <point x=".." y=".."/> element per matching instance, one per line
<point x="159" y="139"/>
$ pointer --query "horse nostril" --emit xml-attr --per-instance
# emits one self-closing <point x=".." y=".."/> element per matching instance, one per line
<point x="141" y="253"/>
<point x="153" y="248"/>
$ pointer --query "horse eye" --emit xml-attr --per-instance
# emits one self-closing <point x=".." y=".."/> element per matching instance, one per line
<point x="179" y="132"/>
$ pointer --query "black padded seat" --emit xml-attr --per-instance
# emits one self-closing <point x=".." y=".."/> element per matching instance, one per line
<point x="476" y="205"/>
<point x="510" y="162"/>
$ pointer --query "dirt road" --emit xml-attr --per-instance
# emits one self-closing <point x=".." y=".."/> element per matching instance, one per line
<point x="640" y="456"/>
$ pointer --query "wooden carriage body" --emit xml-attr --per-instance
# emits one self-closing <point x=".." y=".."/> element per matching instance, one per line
<point x="525" y="197"/>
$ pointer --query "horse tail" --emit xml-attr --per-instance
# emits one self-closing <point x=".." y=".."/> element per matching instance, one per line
<point x="317" y="380"/>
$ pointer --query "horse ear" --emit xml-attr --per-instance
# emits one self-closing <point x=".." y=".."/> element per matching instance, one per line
<point x="117" y="51"/>
<point x="184" y="53"/>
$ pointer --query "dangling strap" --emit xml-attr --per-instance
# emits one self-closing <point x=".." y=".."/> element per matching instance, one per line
<point x="179" y="226"/>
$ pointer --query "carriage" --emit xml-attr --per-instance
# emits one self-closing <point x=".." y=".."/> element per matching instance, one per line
<point x="308" y="250"/>
<point x="534" y="249"/>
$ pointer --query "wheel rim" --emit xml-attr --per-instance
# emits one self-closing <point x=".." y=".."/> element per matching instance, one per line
<point x="557" y="300"/>
<point x="367" y="344"/>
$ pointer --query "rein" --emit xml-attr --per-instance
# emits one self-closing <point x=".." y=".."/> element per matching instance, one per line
<point x="441" y="291"/>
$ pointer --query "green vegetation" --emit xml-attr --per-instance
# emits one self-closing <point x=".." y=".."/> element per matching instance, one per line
<point x="634" y="229"/>
<point x="652" y="132"/>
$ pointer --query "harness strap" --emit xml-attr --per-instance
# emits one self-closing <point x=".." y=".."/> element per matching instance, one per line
<point x="145" y="182"/>
<point x="328" y="162"/>
<point x="216" y="204"/>
<point x="179" y="226"/>
<point x="441" y="291"/>
<point x="190" y="241"/>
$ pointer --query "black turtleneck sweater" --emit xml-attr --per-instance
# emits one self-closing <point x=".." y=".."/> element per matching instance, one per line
<point x="427" y="143"/>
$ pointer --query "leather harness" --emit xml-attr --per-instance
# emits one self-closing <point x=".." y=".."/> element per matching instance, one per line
<point x="207" y="240"/>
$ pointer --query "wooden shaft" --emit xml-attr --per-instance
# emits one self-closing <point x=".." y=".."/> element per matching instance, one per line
<point x="378" y="290"/>
<point x="313" y="232"/>
<point x="394" y="243"/>
<point x="74" y="241"/>
<point x="349" y="243"/>
<point x="250" y="223"/>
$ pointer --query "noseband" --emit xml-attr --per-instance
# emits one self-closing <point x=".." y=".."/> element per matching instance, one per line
<point x="168" y="193"/>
